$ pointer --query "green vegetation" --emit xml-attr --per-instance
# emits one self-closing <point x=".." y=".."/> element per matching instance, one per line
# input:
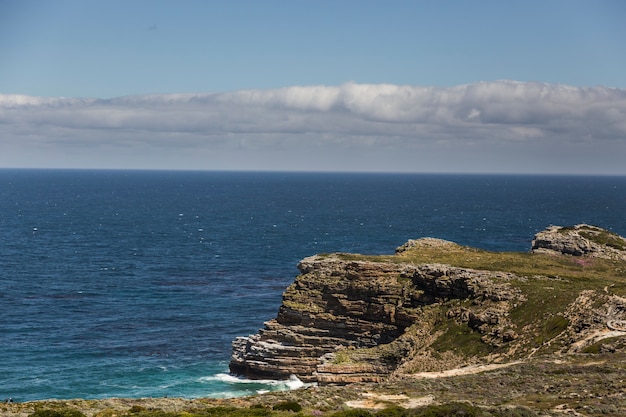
<point x="450" y="410"/>
<point x="288" y="406"/>
<point x="234" y="412"/>
<point x="605" y="238"/>
<point x="461" y="339"/>
<point x="554" y="326"/>
<point x="393" y="411"/>
<point x="342" y="357"/>
<point x="60" y="412"/>
<point x="599" y="236"/>
<point x="608" y="344"/>
<point x="209" y="412"/>
<point x="352" y="413"/>
<point x="525" y="264"/>
<point x="550" y="282"/>
<point x="444" y="410"/>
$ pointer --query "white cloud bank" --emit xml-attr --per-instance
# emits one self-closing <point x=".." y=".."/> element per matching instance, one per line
<point x="502" y="126"/>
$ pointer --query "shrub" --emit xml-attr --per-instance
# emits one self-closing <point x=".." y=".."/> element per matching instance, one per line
<point x="450" y="410"/>
<point x="356" y="412"/>
<point x="555" y="325"/>
<point x="254" y="411"/>
<point x="288" y="406"/>
<point x="605" y="238"/>
<point x="62" y="412"/>
<point x="593" y="349"/>
<point x="394" y="411"/>
<point x="153" y="413"/>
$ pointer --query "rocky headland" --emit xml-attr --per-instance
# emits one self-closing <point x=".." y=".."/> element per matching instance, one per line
<point x="436" y="306"/>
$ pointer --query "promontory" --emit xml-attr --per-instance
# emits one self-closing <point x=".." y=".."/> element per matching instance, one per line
<point x="436" y="306"/>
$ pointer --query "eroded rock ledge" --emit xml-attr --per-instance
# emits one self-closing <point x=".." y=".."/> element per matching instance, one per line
<point x="349" y="318"/>
<point x="579" y="240"/>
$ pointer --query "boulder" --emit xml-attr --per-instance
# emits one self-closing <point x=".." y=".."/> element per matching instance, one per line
<point x="580" y="240"/>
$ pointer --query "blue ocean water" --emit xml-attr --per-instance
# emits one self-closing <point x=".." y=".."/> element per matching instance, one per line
<point x="134" y="283"/>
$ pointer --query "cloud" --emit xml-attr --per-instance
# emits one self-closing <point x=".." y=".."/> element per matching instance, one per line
<point x="498" y="120"/>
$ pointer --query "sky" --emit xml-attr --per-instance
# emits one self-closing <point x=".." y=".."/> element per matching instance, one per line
<point x="536" y="87"/>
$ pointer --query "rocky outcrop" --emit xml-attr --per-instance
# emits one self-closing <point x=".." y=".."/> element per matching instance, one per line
<point x="580" y="240"/>
<point x="334" y="304"/>
<point x="338" y="304"/>
<point x="349" y="318"/>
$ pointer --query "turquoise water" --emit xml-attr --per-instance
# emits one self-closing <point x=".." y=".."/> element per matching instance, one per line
<point x="134" y="283"/>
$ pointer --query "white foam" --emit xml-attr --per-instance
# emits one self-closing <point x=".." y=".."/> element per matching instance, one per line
<point x="294" y="382"/>
<point x="268" y="384"/>
<point x="231" y="379"/>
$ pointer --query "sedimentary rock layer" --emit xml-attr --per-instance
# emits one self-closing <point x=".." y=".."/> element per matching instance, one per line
<point x="349" y="318"/>
<point x="338" y="304"/>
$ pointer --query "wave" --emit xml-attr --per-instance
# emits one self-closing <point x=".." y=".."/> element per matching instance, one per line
<point x="243" y="386"/>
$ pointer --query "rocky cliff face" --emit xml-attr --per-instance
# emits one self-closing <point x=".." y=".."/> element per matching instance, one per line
<point x="350" y="318"/>
<point x="334" y="304"/>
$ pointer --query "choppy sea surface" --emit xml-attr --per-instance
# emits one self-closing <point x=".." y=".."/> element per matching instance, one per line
<point x="134" y="283"/>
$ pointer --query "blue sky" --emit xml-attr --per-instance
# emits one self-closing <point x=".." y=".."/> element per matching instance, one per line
<point x="358" y="60"/>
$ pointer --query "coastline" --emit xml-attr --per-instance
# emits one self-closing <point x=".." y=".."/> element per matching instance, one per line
<point x="586" y="384"/>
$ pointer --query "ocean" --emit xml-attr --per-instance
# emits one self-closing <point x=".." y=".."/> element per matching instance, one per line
<point x="134" y="283"/>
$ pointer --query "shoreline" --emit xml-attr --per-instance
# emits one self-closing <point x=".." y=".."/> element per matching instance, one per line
<point x="548" y="385"/>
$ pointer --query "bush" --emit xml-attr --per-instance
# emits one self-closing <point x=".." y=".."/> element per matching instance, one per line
<point x="254" y="411"/>
<point x="288" y="406"/>
<point x="357" y="412"/>
<point x="514" y="412"/>
<point x="555" y="325"/>
<point x="62" y="412"/>
<point x="153" y="413"/>
<point x="395" y="411"/>
<point x="450" y="410"/>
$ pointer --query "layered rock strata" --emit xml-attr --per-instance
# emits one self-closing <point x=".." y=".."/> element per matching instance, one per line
<point x="349" y="318"/>
<point x="338" y="304"/>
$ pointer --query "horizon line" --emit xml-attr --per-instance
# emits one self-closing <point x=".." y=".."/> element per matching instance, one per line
<point x="329" y="172"/>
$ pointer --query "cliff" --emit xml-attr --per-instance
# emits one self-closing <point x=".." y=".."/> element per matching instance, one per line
<point x="435" y="305"/>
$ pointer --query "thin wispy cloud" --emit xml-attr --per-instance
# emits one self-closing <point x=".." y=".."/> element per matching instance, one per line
<point x="497" y="118"/>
